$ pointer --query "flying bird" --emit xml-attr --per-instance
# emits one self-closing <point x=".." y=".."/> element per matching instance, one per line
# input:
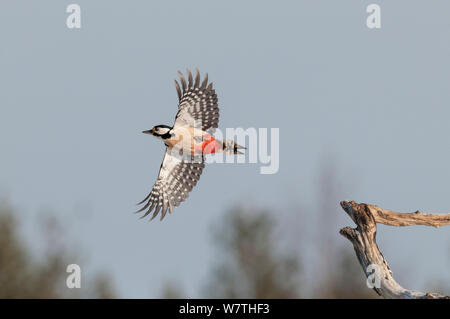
<point x="187" y="142"/>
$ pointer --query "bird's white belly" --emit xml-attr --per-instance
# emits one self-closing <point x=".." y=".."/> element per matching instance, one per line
<point x="186" y="139"/>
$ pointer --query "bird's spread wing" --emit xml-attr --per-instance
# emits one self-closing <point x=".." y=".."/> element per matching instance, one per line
<point x="177" y="177"/>
<point x="197" y="106"/>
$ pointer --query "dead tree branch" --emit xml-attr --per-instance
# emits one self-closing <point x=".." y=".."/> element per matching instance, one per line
<point x="363" y="238"/>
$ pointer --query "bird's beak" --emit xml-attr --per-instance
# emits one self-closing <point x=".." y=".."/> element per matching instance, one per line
<point x="148" y="132"/>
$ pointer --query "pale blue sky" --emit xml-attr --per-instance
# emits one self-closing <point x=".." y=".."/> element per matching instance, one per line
<point x="374" y="103"/>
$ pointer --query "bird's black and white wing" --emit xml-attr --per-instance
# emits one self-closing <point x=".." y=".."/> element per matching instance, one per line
<point x="197" y="106"/>
<point x="177" y="177"/>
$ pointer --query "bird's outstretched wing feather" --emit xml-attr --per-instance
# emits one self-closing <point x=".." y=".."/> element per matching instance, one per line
<point x="198" y="105"/>
<point x="177" y="177"/>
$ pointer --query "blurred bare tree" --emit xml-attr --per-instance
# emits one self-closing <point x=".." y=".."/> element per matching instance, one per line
<point x="337" y="273"/>
<point x="344" y="279"/>
<point x="172" y="290"/>
<point x="22" y="276"/>
<point x="251" y="264"/>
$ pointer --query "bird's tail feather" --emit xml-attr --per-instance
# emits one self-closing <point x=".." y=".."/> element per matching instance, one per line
<point x="231" y="147"/>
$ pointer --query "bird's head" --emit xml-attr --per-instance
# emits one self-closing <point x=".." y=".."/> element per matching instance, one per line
<point x="161" y="131"/>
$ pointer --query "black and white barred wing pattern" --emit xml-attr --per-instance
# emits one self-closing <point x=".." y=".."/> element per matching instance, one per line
<point x="197" y="106"/>
<point x="177" y="177"/>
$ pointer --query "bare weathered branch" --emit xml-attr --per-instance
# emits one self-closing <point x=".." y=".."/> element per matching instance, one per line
<point x="388" y="217"/>
<point x="363" y="238"/>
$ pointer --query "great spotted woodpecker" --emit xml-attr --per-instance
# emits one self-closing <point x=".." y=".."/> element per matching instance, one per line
<point x="187" y="141"/>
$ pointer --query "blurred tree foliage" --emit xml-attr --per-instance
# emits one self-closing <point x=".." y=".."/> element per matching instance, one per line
<point x="22" y="276"/>
<point x="251" y="265"/>
<point x="172" y="290"/>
